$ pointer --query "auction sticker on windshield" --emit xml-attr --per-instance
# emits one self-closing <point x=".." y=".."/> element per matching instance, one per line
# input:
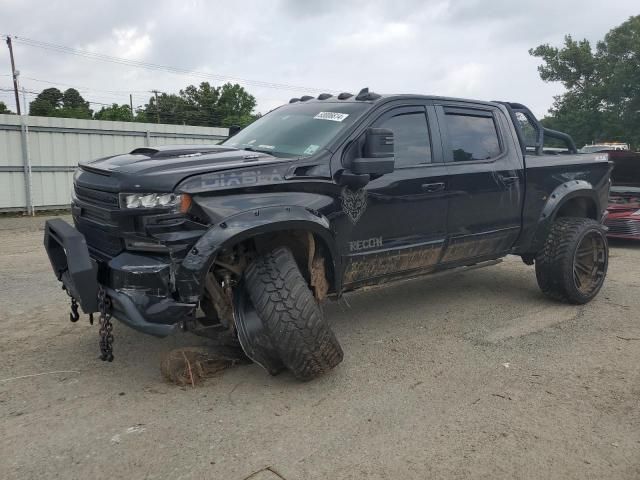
<point x="311" y="149"/>
<point x="333" y="116"/>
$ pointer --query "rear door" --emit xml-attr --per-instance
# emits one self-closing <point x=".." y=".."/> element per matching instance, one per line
<point x="485" y="180"/>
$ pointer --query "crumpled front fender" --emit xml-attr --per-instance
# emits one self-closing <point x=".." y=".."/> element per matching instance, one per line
<point x="191" y="273"/>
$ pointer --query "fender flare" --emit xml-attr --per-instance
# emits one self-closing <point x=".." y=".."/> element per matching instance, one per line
<point x="556" y="200"/>
<point x="190" y="274"/>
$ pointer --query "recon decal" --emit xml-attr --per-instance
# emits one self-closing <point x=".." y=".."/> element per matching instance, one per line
<point x="354" y="203"/>
<point x="358" y="245"/>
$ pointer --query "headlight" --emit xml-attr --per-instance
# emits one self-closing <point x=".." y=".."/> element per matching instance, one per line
<point x="149" y="200"/>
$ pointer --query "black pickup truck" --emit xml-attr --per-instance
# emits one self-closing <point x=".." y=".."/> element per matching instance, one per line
<point x="319" y="197"/>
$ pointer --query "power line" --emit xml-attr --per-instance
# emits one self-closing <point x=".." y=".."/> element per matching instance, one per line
<point x="120" y="95"/>
<point x="154" y="66"/>
<point x="88" y="89"/>
<point x="31" y="92"/>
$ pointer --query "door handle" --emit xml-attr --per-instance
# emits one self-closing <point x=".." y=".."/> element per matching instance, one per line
<point x="508" y="180"/>
<point x="433" y="187"/>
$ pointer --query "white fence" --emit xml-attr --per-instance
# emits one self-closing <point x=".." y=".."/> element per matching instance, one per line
<point x="38" y="155"/>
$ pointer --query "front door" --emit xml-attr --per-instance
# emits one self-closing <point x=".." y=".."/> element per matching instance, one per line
<point x="399" y="220"/>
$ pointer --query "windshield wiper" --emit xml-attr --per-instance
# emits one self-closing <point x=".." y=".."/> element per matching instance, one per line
<point x="258" y="150"/>
<point x="273" y="153"/>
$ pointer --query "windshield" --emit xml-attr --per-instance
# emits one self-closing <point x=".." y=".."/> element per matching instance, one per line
<point x="604" y="147"/>
<point x="592" y="149"/>
<point x="297" y="130"/>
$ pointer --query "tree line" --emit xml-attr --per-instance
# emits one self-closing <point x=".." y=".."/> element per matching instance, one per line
<point x="202" y="105"/>
<point x="602" y="98"/>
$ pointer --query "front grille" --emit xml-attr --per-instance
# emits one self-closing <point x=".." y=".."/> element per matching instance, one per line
<point x="623" y="226"/>
<point x="97" y="205"/>
<point x="95" y="221"/>
<point x="101" y="244"/>
<point x="99" y="198"/>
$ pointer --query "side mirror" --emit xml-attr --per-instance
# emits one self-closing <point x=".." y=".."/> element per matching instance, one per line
<point x="378" y="157"/>
<point x="233" y="129"/>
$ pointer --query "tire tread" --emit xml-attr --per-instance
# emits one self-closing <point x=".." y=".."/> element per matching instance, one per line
<point x="554" y="262"/>
<point x="291" y="316"/>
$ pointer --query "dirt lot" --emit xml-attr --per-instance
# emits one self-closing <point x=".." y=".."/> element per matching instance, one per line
<point x="472" y="375"/>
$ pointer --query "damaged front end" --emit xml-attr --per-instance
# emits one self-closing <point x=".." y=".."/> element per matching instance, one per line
<point x="140" y="287"/>
<point x="142" y="293"/>
<point x="127" y="251"/>
<point x="160" y="262"/>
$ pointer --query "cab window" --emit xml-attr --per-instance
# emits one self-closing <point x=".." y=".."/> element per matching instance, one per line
<point x="472" y="137"/>
<point x="411" y="138"/>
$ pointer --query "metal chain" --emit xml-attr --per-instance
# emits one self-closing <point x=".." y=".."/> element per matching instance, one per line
<point x="74" y="315"/>
<point x="106" y="327"/>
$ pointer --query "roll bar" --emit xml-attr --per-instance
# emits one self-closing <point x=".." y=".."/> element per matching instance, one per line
<point x="541" y="131"/>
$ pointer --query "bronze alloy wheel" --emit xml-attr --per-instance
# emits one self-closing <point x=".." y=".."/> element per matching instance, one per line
<point x="572" y="265"/>
<point x="589" y="262"/>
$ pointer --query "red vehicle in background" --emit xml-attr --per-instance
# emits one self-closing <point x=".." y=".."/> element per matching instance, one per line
<point x="624" y="199"/>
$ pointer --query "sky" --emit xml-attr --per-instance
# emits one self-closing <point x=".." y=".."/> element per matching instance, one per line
<point x="288" y="48"/>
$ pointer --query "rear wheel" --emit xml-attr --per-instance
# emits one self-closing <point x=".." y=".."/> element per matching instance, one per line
<point x="573" y="263"/>
<point x="291" y="317"/>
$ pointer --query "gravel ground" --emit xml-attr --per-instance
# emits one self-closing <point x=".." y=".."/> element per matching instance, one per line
<point x="471" y="375"/>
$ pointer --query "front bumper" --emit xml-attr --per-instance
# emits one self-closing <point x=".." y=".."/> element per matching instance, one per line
<point x="139" y="285"/>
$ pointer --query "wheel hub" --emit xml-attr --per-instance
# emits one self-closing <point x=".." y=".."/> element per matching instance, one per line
<point x="589" y="262"/>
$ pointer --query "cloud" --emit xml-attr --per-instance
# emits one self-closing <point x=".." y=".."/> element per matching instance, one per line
<point x="375" y="35"/>
<point x="464" y="48"/>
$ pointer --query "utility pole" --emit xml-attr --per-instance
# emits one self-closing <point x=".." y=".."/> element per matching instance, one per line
<point x="131" y="105"/>
<point x="26" y="156"/>
<point x="155" y="92"/>
<point x="14" y="74"/>
<point x="24" y="98"/>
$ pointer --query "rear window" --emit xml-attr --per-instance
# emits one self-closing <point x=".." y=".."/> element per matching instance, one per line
<point x="472" y="137"/>
<point x="529" y="131"/>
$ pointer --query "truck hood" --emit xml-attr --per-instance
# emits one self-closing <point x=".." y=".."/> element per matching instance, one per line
<point x="158" y="169"/>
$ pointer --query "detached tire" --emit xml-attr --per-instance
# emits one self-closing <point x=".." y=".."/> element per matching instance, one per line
<point x="572" y="265"/>
<point x="291" y="317"/>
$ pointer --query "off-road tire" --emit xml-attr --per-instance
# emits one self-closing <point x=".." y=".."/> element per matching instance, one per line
<point x="291" y="316"/>
<point x="555" y="263"/>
